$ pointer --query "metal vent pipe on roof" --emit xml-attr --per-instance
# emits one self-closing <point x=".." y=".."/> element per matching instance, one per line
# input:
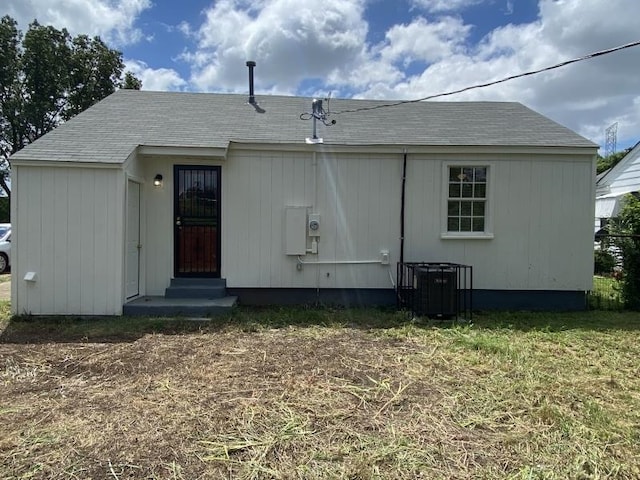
<point x="251" y="64"/>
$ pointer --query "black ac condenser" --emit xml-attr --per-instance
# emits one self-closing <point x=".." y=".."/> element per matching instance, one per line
<point x="436" y="291"/>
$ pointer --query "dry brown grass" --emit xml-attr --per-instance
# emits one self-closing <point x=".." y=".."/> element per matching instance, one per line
<point x="337" y="398"/>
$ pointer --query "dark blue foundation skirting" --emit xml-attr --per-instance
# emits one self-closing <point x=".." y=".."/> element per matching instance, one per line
<point x="348" y="297"/>
<point x="541" y="300"/>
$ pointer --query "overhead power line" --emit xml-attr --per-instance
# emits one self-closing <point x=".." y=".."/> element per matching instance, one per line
<point x="495" y="82"/>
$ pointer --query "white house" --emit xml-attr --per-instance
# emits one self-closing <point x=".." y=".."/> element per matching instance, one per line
<point x="613" y="185"/>
<point x="118" y="205"/>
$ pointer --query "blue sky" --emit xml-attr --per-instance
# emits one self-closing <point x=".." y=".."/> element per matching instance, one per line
<point x="401" y="49"/>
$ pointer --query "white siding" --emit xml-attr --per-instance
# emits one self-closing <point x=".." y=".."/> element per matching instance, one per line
<point x="541" y="210"/>
<point x="624" y="177"/>
<point x="358" y="199"/>
<point x="68" y="228"/>
<point x="69" y="224"/>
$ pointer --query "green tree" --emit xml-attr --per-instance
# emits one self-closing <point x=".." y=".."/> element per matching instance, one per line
<point x="610" y="161"/>
<point x="628" y="225"/>
<point x="11" y="101"/>
<point x="131" y="82"/>
<point x="48" y="76"/>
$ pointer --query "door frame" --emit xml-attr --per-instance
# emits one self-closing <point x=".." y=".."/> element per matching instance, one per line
<point x="130" y="181"/>
<point x="176" y="169"/>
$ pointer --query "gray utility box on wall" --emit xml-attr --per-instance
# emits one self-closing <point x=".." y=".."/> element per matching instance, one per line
<point x="436" y="291"/>
<point x="295" y="226"/>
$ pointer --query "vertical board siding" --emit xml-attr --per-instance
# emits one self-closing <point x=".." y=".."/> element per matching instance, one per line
<point x="60" y="239"/>
<point x="540" y="209"/>
<point x="74" y="242"/>
<point x="277" y="241"/>
<point x="69" y="224"/>
<point x="27" y="196"/>
<point x="69" y="231"/>
<point x="330" y="210"/>
<point x="541" y="215"/>
<point x="156" y="224"/>
<point x="358" y="199"/>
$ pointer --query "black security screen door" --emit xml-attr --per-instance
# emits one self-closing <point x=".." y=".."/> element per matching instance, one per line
<point x="197" y="221"/>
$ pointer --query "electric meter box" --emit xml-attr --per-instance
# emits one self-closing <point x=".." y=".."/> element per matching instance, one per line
<point x="314" y="224"/>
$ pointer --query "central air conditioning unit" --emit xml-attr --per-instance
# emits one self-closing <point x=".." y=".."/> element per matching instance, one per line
<point x="436" y="291"/>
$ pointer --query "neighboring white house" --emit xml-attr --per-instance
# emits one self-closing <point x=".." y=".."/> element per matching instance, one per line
<point x="613" y="185"/>
<point x="493" y="185"/>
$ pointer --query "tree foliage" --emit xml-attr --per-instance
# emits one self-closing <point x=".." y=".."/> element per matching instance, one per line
<point x="131" y="82"/>
<point x="48" y="76"/>
<point x="610" y="161"/>
<point x="628" y="224"/>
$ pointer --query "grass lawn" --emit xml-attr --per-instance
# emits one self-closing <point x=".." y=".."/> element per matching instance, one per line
<point x="311" y="394"/>
<point x="606" y="294"/>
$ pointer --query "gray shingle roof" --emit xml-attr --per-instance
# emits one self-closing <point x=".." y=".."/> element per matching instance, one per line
<point x="110" y="130"/>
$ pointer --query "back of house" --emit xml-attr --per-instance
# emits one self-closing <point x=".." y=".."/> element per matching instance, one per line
<point x="150" y="196"/>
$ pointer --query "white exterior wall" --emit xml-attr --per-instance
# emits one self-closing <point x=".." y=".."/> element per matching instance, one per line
<point x="357" y="198"/>
<point x="69" y="224"/>
<point x="68" y="229"/>
<point x="541" y="211"/>
<point x="624" y="177"/>
<point x="256" y="189"/>
<point x="612" y="188"/>
<point x="540" y="207"/>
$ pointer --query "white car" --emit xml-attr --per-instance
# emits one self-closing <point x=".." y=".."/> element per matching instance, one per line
<point x="5" y="247"/>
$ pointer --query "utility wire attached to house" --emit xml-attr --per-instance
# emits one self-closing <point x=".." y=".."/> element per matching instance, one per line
<point x="495" y="82"/>
<point x="318" y="113"/>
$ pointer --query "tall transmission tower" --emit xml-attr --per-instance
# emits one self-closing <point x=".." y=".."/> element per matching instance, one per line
<point x="611" y="139"/>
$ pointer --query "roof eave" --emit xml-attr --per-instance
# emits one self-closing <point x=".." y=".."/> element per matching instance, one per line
<point x="182" y="151"/>
<point x="327" y="146"/>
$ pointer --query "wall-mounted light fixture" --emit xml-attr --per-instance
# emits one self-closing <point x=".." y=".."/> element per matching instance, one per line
<point x="157" y="180"/>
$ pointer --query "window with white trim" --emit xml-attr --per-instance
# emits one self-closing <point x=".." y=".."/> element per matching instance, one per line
<point x="467" y="199"/>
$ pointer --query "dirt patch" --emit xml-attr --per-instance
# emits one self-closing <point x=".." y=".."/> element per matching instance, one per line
<point x="322" y="402"/>
<point x="5" y="291"/>
<point x="213" y="404"/>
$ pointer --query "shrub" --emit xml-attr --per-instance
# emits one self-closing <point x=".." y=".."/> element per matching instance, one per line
<point x="628" y="223"/>
<point x="603" y="263"/>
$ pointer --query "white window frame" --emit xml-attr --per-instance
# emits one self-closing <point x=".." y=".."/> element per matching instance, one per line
<point x="487" y="234"/>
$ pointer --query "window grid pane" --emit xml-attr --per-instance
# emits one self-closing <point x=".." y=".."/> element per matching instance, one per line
<point x="466" y="205"/>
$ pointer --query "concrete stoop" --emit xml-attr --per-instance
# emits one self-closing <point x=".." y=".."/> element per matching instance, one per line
<point x="185" y="297"/>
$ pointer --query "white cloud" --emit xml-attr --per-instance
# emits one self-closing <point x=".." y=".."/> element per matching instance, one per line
<point x="311" y="46"/>
<point x="444" y="5"/>
<point x="112" y="20"/>
<point x="289" y="40"/>
<point x="424" y="40"/>
<point x="158" y="79"/>
<point x="587" y="97"/>
<point x="306" y="47"/>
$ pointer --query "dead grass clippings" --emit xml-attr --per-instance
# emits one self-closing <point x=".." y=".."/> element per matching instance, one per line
<point x="312" y="402"/>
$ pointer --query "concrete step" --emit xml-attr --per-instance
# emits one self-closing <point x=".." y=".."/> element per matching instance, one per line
<point x="196" y="288"/>
<point x="178" y="307"/>
<point x="211" y="282"/>
<point x="195" y="292"/>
